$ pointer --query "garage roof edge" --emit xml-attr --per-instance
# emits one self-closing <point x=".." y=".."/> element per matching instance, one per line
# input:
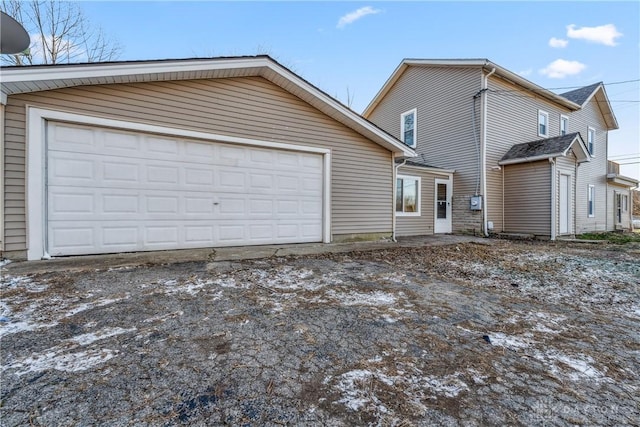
<point x="26" y="79"/>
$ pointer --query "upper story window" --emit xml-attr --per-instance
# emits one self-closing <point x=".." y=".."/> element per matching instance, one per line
<point x="408" y="127"/>
<point x="591" y="140"/>
<point x="408" y="196"/>
<point x="564" y="125"/>
<point x="543" y="123"/>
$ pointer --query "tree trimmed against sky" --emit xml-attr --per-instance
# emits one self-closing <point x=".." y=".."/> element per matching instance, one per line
<point x="60" y="34"/>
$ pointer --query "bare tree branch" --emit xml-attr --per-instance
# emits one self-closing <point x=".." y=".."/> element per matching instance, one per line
<point x="60" y="34"/>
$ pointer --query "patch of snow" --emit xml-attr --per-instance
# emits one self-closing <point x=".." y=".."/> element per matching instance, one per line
<point x="90" y="338"/>
<point x="69" y="362"/>
<point x="363" y="298"/>
<point x="230" y="282"/>
<point x="449" y="386"/>
<point x="508" y="341"/>
<point x="9" y="282"/>
<point x="100" y="302"/>
<point x="356" y="392"/>
<point x="4" y="262"/>
<point x="581" y="365"/>
<point x="163" y="317"/>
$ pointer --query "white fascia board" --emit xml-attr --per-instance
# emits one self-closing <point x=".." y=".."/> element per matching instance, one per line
<point x="26" y="74"/>
<point x="39" y="73"/>
<point x="530" y="159"/>
<point x="485" y="63"/>
<point x="585" y="153"/>
<point x="521" y="81"/>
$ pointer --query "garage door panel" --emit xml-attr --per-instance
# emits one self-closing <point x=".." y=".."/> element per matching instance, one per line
<point x="112" y="191"/>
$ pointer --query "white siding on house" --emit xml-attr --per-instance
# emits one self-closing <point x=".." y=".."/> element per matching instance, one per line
<point x="527" y="206"/>
<point x="443" y="97"/>
<point x="250" y="107"/>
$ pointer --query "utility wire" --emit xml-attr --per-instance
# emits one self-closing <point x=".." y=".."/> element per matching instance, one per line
<point x="573" y="87"/>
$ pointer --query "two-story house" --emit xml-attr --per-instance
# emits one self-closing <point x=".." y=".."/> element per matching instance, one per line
<point x="526" y="160"/>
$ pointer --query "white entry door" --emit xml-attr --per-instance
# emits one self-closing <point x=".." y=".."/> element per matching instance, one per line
<point x="114" y="191"/>
<point x="565" y="200"/>
<point x="442" y="208"/>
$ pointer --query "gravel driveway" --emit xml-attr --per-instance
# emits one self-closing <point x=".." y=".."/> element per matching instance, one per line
<point x="498" y="333"/>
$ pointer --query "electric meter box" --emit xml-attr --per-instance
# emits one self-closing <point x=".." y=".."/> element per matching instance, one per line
<point x="476" y="203"/>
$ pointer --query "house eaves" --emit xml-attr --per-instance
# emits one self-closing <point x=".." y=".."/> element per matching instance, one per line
<point x="27" y="79"/>
<point x="625" y="181"/>
<point x="596" y="92"/>
<point x="481" y="63"/>
<point x="544" y="149"/>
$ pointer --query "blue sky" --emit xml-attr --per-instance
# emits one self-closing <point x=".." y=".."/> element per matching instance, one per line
<point x="349" y="49"/>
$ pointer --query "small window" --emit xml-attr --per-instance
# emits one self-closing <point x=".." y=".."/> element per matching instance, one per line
<point x="408" y="196"/>
<point x="591" y="201"/>
<point x="564" y="124"/>
<point x="543" y="123"/>
<point x="625" y="206"/>
<point x="408" y="127"/>
<point x="591" y="140"/>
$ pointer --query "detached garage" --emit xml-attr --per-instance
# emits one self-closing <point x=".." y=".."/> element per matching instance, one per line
<point x="155" y="155"/>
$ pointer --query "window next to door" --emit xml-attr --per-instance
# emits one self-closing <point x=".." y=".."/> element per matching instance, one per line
<point x="591" y="201"/>
<point x="407" y="196"/>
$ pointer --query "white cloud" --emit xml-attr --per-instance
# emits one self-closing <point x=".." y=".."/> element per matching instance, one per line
<point x="525" y="73"/>
<point x="559" y="43"/>
<point x="351" y="17"/>
<point x="603" y="34"/>
<point x="561" y="68"/>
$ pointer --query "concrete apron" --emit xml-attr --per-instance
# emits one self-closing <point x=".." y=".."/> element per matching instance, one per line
<point x="238" y="253"/>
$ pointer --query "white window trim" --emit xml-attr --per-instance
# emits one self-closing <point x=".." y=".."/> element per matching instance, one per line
<point x="544" y="113"/>
<point x="36" y="155"/>
<point x="592" y="152"/>
<point x="591" y="197"/>
<point x="418" y="198"/>
<point x="415" y="126"/>
<point x="566" y="130"/>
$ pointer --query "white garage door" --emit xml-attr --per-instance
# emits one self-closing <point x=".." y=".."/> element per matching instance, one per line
<point x="116" y="191"/>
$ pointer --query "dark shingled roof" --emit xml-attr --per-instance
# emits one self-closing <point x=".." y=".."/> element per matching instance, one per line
<point x="579" y="96"/>
<point x="540" y="148"/>
<point x="418" y="161"/>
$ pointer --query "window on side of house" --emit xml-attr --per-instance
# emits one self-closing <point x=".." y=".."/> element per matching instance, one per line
<point x="408" y="127"/>
<point x="543" y="123"/>
<point x="564" y="124"/>
<point x="625" y="201"/>
<point x="591" y="140"/>
<point x="407" y="195"/>
<point x="591" y="201"/>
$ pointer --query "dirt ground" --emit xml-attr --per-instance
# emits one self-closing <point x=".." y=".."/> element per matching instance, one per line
<point x="491" y="333"/>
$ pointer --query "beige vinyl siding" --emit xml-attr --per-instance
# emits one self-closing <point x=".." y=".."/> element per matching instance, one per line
<point x="566" y="166"/>
<point x="527" y="195"/>
<point x="612" y="219"/>
<point x="512" y="118"/>
<point x="593" y="172"/>
<point x="443" y="97"/>
<point x="249" y="107"/>
<point x="423" y="224"/>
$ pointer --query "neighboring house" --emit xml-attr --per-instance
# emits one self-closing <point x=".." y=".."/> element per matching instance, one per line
<point x="526" y="160"/>
<point x="150" y="155"/>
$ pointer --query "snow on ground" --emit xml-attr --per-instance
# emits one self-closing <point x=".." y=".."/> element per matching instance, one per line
<point x="63" y="357"/>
